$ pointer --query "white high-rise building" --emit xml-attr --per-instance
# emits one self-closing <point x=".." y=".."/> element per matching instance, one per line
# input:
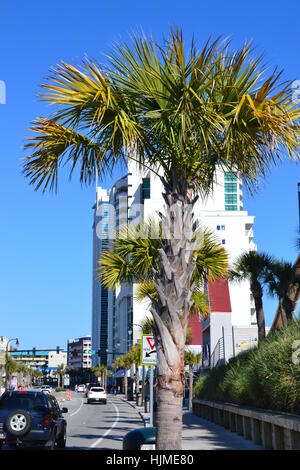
<point x="99" y="293"/>
<point x="138" y="196"/>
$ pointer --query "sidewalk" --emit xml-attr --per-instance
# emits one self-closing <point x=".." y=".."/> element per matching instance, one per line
<point x="199" y="434"/>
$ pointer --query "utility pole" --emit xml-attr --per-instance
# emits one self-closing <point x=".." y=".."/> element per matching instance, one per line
<point x="151" y="396"/>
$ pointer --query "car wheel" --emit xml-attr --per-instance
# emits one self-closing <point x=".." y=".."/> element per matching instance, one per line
<point x="61" y="441"/>
<point x="1" y="445"/>
<point x="104" y="402"/>
<point x="88" y="402"/>
<point x="18" y="423"/>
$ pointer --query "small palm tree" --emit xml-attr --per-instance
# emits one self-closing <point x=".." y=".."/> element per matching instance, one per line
<point x="182" y="113"/>
<point x="11" y="367"/>
<point x="254" y="267"/>
<point x="97" y="371"/>
<point x="284" y="283"/>
<point x="124" y="363"/>
<point x="21" y="370"/>
<point x="191" y="360"/>
<point x="136" y="358"/>
<point x="61" y="370"/>
<point x="103" y="371"/>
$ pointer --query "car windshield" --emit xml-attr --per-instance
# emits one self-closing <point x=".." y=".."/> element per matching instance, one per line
<point x="97" y="389"/>
<point x="22" y="400"/>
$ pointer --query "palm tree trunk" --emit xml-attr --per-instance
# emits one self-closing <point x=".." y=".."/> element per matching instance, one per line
<point x="283" y="312"/>
<point x="289" y="307"/>
<point x="257" y="293"/>
<point x="170" y="312"/>
<point x="191" y="379"/>
<point x="1" y="375"/>
<point x="125" y="384"/>
<point x="137" y="380"/>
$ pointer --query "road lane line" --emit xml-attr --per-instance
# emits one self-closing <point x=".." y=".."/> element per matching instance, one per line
<point x="110" y="429"/>
<point x="75" y="412"/>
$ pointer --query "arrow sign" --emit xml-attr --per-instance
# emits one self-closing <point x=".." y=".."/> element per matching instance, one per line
<point x="148" y="350"/>
<point x="151" y="352"/>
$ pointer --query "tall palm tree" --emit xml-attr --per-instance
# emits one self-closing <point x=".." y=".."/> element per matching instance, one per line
<point x="284" y="283"/>
<point x="181" y="113"/>
<point x="191" y="360"/>
<point x="253" y="266"/>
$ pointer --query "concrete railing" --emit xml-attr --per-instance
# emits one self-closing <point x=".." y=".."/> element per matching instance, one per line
<point x="271" y="429"/>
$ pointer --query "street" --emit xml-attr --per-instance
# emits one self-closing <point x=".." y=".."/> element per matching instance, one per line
<point x="98" y="426"/>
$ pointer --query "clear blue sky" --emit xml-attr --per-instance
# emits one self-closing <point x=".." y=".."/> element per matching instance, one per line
<point x="46" y="240"/>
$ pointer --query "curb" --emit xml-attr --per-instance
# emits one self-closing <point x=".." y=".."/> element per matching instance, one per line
<point x="138" y="411"/>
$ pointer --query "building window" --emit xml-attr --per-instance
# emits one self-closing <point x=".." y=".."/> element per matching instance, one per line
<point x="230" y="198"/>
<point x="230" y="179"/>
<point x="146" y="188"/>
<point x="223" y="242"/>
<point x="220" y="227"/>
<point x="230" y="187"/>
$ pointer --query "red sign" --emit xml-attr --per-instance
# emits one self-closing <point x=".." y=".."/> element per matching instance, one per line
<point x="151" y="343"/>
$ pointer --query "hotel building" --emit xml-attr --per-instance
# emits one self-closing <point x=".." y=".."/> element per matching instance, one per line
<point x="116" y="315"/>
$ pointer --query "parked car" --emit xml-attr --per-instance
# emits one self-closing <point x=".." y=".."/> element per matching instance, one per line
<point x="31" y="418"/>
<point x="96" y="394"/>
<point x="81" y="388"/>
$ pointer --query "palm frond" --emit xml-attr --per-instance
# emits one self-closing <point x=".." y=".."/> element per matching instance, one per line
<point x="172" y="107"/>
<point x="211" y="259"/>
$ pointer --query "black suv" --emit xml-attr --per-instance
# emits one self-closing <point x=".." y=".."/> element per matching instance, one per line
<point x="33" y="418"/>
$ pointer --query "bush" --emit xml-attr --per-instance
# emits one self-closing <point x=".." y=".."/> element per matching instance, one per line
<point x="264" y="377"/>
<point x="60" y="389"/>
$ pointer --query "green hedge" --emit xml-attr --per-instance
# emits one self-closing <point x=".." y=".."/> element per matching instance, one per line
<point x="264" y="377"/>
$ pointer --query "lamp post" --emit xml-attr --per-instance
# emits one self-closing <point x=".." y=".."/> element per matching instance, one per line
<point x="6" y="364"/>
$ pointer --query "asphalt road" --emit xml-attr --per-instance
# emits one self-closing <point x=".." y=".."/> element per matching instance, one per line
<point x="98" y="426"/>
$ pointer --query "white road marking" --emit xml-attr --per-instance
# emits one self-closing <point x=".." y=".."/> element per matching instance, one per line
<point x="110" y="429"/>
<point x="75" y="412"/>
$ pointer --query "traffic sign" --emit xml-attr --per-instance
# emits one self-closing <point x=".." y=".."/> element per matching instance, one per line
<point x="148" y="350"/>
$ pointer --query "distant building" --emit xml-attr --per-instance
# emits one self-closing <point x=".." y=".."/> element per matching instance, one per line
<point x="44" y="360"/>
<point x="79" y="353"/>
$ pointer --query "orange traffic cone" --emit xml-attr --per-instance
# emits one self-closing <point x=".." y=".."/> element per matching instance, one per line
<point x="68" y="395"/>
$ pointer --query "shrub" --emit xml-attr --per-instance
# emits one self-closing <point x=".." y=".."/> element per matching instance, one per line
<point x="265" y="377"/>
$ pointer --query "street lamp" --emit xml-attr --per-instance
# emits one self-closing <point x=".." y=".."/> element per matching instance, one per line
<point x="6" y="364"/>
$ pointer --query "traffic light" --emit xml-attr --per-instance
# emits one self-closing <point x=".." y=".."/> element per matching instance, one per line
<point x="57" y="349"/>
